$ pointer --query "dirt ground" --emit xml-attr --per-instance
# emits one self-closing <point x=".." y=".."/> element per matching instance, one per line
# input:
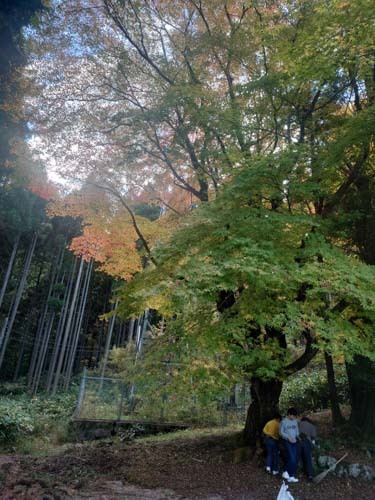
<point x="176" y="468"/>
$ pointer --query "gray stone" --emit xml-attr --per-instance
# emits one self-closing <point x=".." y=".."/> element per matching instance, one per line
<point x="344" y="469"/>
<point x="326" y="461"/>
<point x="341" y="471"/>
<point x="355" y="470"/>
<point x="367" y="473"/>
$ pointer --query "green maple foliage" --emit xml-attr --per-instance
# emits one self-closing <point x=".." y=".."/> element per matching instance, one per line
<point x="265" y="257"/>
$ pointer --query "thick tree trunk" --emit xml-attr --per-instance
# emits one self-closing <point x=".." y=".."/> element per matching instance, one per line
<point x="361" y="372"/>
<point x="337" y="418"/>
<point x="265" y="393"/>
<point x="361" y="375"/>
<point x="265" y="396"/>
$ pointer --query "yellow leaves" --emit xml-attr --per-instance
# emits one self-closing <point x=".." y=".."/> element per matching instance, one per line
<point x="112" y="241"/>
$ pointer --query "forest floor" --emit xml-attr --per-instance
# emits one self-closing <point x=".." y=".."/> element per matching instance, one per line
<point x="184" y="465"/>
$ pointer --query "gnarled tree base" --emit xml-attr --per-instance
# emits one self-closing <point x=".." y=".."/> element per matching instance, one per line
<point x="265" y="396"/>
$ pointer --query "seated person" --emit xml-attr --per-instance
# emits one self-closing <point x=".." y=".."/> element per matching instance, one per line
<point x="289" y="432"/>
<point x="308" y="435"/>
<point x="271" y="441"/>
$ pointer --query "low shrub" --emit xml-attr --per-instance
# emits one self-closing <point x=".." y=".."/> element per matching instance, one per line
<point x="23" y="417"/>
<point x="15" y="420"/>
<point x="308" y="390"/>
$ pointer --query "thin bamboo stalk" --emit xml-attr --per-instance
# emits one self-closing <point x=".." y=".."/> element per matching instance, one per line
<point x="67" y="330"/>
<point x="18" y="297"/>
<point x="76" y="334"/>
<point x="9" y="268"/>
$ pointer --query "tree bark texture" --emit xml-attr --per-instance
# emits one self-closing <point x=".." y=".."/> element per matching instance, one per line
<point x="264" y="404"/>
<point x="337" y="418"/>
<point x="361" y="375"/>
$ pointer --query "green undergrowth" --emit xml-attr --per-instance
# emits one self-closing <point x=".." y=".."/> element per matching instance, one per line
<point x="30" y="424"/>
<point x="308" y="389"/>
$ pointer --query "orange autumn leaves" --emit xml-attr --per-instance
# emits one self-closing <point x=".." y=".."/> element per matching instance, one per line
<point x="108" y="233"/>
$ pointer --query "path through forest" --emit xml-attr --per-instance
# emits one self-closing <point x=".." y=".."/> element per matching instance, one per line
<point x="177" y="468"/>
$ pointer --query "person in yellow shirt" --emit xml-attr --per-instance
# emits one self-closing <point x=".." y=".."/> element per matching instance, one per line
<point x="271" y="441"/>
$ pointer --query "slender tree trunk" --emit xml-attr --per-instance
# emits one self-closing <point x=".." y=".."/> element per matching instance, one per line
<point x="4" y="329"/>
<point x="41" y="350"/>
<point x="102" y="329"/>
<point x="337" y="418"/>
<point x="42" y="354"/>
<point x="20" y="355"/>
<point x="67" y="330"/>
<point x="138" y="331"/>
<point x="60" y="327"/>
<point x="81" y="344"/>
<point x="126" y="334"/>
<point x="99" y="344"/>
<point x="76" y="333"/>
<point x="9" y="269"/>
<point x="142" y="335"/>
<point x="18" y="296"/>
<point x="37" y="345"/>
<point x="108" y="343"/>
<point x="118" y="335"/>
<point x="129" y="338"/>
<point x="69" y="344"/>
<point x="40" y="338"/>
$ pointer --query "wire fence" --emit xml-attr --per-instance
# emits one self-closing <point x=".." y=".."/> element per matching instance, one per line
<point x="113" y="399"/>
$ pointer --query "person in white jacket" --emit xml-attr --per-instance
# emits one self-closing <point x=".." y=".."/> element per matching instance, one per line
<point x="289" y="433"/>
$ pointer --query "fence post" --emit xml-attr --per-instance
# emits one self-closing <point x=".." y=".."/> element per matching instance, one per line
<point x="81" y="393"/>
<point x="162" y="409"/>
<point x="121" y="401"/>
<point x="225" y="415"/>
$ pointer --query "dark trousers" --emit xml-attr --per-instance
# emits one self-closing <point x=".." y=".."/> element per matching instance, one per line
<point x="272" y="446"/>
<point x="305" y="451"/>
<point x="291" y="450"/>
